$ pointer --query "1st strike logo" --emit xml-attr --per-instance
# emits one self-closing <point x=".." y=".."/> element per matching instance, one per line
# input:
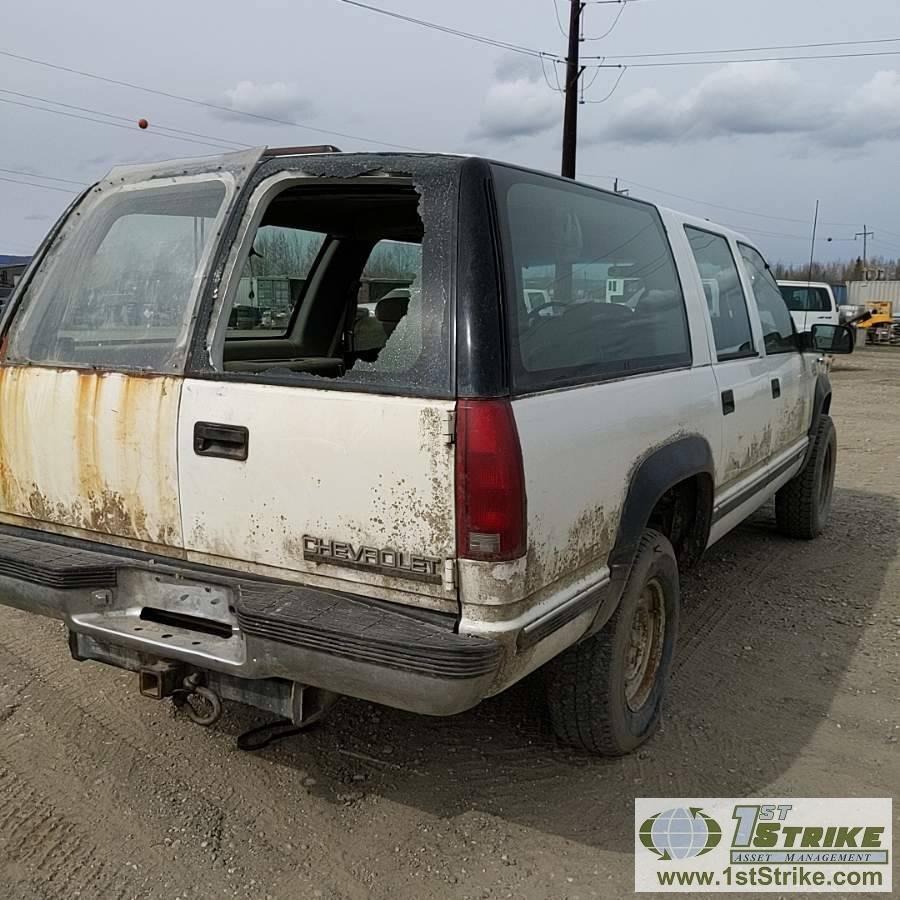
<point x="398" y="563"/>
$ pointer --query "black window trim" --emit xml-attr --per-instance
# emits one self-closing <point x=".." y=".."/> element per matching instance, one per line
<point x="549" y="380"/>
<point x="795" y="347"/>
<point x="737" y="355"/>
<point x="415" y="169"/>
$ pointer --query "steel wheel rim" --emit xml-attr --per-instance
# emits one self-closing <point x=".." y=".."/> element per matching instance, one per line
<point x="643" y="655"/>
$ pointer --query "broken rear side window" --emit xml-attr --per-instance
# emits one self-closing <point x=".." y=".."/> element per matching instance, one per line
<point x="118" y="287"/>
<point x="361" y="268"/>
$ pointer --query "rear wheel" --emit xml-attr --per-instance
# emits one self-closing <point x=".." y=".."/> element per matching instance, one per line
<point x="605" y="694"/>
<point x="803" y="505"/>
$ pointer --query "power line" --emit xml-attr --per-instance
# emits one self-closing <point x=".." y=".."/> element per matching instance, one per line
<point x="752" y="49"/>
<point x="757" y="59"/>
<point x="69" y="115"/>
<point x="708" y="203"/>
<point x="185" y="99"/>
<point x="45" y="177"/>
<point x="562" y="30"/>
<point x="612" y="90"/>
<point x="46" y="187"/>
<point x="155" y="130"/>
<point x="456" y="32"/>
<point x="611" y="28"/>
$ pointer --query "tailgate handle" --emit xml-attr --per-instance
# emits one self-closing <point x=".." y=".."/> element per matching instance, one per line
<point x="225" y="441"/>
<point x="776" y="388"/>
<point x="727" y="402"/>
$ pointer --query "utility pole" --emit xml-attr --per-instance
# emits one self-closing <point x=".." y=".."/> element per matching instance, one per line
<point x="573" y="75"/>
<point x="865" y="234"/>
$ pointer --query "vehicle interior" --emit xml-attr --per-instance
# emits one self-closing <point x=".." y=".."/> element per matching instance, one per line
<point x="350" y="256"/>
<point x="585" y="323"/>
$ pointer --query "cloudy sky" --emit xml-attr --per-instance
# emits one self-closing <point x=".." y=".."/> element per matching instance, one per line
<point x="753" y="146"/>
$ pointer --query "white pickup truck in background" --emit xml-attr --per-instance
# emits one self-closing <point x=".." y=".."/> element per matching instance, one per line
<point x="811" y="303"/>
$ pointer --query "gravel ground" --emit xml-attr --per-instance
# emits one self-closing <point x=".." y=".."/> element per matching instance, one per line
<point x="787" y="682"/>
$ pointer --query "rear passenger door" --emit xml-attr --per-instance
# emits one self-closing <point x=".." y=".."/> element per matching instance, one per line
<point x="787" y="369"/>
<point x="740" y="369"/>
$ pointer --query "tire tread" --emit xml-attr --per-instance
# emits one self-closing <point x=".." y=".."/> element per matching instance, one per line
<point x="795" y="503"/>
<point x="575" y="680"/>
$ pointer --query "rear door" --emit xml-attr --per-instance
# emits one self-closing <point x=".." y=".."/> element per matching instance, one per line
<point x="787" y="369"/>
<point x="94" y="350"/>
<point x="740" y="369"/>
<point x="320" y="450"/>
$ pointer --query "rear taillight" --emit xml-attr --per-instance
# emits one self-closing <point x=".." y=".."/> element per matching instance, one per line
<point x="490" y="482"/>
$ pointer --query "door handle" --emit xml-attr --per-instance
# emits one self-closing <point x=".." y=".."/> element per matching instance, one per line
<point x="727" y="402"/>
<point x="776" y="388"/>
<point x="224" y="441"/>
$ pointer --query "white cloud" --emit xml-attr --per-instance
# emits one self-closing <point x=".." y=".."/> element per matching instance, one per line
<point x="518" y="104"/>
<point x="765" y="99"/>
<point x="277" y="99"/>
<point x="871" y="113"/>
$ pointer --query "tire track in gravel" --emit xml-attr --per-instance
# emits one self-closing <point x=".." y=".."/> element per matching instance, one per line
<point x="137" y="752"/>
<point x="44" y="850"/>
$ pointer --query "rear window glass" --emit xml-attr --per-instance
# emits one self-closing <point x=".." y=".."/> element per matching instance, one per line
<point x="592" y="286"/>
<point x="118" y="287"/>
<point x="806" y="299"/>
<point x="725" y="299"/>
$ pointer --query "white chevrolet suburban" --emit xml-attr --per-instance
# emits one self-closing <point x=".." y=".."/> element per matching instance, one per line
<point x="499" y="465"/>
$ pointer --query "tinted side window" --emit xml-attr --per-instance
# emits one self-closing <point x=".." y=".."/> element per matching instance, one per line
<point x="724" y="295"/>
<point x="593" y="290"/>
<point x="777" y="325"/>
<point x="806" y="299"/>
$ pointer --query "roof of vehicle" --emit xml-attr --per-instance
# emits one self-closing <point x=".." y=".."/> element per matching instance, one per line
<point x="261" y="154"/>
<point x="699" y="223"/>
<point x="815" y="284"/>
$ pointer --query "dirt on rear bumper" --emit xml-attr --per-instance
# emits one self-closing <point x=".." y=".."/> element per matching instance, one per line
<point x="247" y="628"/>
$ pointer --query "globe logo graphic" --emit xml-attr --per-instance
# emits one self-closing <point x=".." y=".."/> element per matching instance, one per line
<point x="680" y="833"/>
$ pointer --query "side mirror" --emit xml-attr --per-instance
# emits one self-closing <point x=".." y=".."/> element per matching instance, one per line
<point x="831" y="339"/>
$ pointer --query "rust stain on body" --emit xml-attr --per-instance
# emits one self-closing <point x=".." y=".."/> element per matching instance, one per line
<point x="91" y="451"/>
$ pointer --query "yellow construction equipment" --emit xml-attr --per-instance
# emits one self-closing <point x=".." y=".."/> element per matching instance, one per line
<point x="880" y="327"/>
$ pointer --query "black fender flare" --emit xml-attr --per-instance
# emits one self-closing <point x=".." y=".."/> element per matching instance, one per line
<point x="658" y="471"/>
<point x="821" y="401"/>
<point x="655" y="473"/>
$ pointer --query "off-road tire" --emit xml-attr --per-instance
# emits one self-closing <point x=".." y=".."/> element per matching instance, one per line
<point x="802" y="506"/>
<point x="586" y="684"/>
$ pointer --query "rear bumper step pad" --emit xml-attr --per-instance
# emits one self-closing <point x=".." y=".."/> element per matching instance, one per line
<point x="321" y="622"/>
<point x="362" y="630"/>
<point x="56" y="566"/>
